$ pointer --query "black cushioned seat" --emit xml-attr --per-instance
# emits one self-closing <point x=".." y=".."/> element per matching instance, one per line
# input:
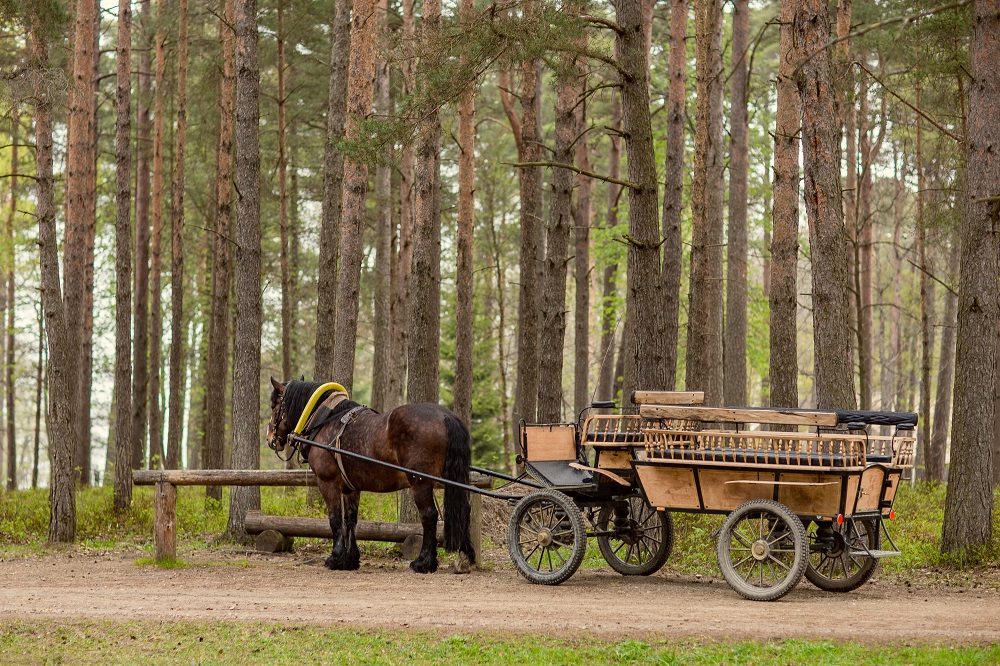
<point x="558" y="474"/>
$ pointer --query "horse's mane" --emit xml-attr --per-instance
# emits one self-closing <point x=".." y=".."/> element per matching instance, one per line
<point x="297" y="394"/>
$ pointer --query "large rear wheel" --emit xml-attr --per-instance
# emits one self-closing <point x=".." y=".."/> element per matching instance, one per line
<point x="546" y="537"/>
<point x="762" y="550"/>
<point x="640" y="540"/>
<point x="837" y="559"/>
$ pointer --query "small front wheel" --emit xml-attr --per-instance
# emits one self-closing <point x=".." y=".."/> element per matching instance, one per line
<point x="641" y="537"/>
<point x="838" y="559"/>
<point x="546" y="537"/>
<point x="762" y="550"/>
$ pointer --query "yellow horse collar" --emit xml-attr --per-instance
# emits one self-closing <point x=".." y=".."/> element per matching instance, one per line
<point x="307" y="412"/>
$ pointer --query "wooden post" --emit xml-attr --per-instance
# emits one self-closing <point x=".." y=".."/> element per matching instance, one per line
<point x="476" y="525"/>
<point x="164" y="521"/>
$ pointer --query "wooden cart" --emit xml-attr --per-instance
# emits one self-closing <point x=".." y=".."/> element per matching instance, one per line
<point x="797" y="503"/>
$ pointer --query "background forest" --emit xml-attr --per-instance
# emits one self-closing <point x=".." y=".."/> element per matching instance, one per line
<point x="457" y="204"/>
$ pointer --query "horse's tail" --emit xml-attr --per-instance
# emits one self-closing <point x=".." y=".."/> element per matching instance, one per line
<point x="457" y="512"/>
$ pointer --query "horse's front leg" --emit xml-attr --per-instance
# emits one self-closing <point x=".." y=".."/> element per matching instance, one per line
<point x="335" y="504"/>
<point x="352" y="556"/>
<point x="423" y="497"/>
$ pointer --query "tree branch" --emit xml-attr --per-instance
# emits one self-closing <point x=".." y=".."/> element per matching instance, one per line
<point x="923" y="115"/>
<point x="582" y="172"/>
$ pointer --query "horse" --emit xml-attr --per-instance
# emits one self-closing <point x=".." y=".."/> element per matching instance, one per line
<point x="421" y="437"/>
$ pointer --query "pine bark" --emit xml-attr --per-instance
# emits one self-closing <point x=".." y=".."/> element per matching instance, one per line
<point x="464" y="286"/>
<point x="553" y="322"/>
<point x="609" y="311"/>
<point x="155" y="418"/>
<point x="643" y="305"/>
<point x="735" y="347"/>
<point x="333" y="187"/>
<point x="140" y="347"/>
<point x="705" y="324"/>
<point x="384" y="243"/>
<point x="178" y="331"/>
<point x="824" y="210"/>
<point x="62" y="491"/>
<point x="530" y="197"/>
<point x="425" y="288"/>
<point x="246" y="350"/>
<point x="286" y="278"/>
<point x="10" y="480"/>
<point x="784" y="367"/>
<point x="673" y="189"/>
<point x="218" y="333"/>
<point x="582" y="221"/>
<point x="123" y="264"/>
<point x="969" y="501"/>
<point x="924" y="443"/>
<point x="36" y="449"/>
<point x="934" y="461"/>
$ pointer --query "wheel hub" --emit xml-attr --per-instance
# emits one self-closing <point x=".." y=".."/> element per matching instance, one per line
<point x="760" y="550"/>
<point x="544" y="537"/>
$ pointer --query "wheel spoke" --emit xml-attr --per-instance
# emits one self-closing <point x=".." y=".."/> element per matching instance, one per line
<point x="782" y="564"/>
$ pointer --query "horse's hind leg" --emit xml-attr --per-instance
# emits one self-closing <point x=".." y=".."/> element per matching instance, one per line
<point x="423" y="497"/>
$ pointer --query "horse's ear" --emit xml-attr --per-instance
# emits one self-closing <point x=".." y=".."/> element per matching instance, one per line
<point x="278" y="386"/>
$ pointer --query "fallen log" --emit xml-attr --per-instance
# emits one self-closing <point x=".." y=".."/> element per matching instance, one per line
<point x="319" y="528"/>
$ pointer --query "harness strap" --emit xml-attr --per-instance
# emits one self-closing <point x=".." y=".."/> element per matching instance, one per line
<point x="325" y="415"/>
<point x="347" y="418"/>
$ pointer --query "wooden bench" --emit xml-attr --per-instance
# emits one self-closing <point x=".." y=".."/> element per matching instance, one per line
<point x="165" y="484"/>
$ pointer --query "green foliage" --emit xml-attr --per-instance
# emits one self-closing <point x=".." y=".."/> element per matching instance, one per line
<point x="130" y="642"/>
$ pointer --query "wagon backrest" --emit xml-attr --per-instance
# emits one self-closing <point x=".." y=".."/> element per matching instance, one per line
<point x="546" y="442"/>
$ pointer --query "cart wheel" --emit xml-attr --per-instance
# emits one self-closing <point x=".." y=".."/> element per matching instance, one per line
<point x="641" y="545"/>
<point x="762" y="550"/>
<point x="546" y="537"/>
<point x="832" y="567"/>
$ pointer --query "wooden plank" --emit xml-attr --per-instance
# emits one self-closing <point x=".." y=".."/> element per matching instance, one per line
<point x="668" y="397"/>
<point x="225" y="477"/>
<point x="805" y="417"/>
<point x="807" y="500"/>
<point x="319" y="528"/>
<point x="545" y="443"/>
<point x="669" y="487"/>
<point x="717" y="493"/>
<point x="164" y="521"/>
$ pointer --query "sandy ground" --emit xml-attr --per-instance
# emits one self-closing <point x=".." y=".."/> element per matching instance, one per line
<point x="295" y="588"/>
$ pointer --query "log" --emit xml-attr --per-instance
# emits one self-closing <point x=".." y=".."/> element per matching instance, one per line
<point x="668" y="397"/>
<point x="270" y="541"/>
<point x="164" y="521"/>
<point x="225" y="477"/>
<point x="805" y="417"/>
<point x="319" y="528"/>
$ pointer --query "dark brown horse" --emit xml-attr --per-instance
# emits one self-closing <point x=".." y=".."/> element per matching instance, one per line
<point x="420" y="436"/>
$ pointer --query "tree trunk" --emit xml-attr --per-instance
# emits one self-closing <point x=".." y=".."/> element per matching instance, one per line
<point x="38" y="400"/>
<point x="553" y="325"/>
<point x="218" y="332"/>
<point x="140" y="361"/>
<point x="704" y="363"/>
<point x="784" y="366"/>
<point x="286" y="279"/>
<point x="360" y="91"/>
<point x="246" y="351"/>
<point x="123" y="264"/>
<point x="530" y="198"/>
<point x="934" y="460"/>
<point x="673" y="190"/>
<point x="79" y="165"/>
<point x="822" y="193"/>
<point x="581" y="318"/>
<point x="865" y="246"/>
<point x="425" y="288"/>
<point x="643" y="306"/>
<point x="926" y="306"/>
<point x="384" y="243"/>
<point x="464" y="286"/>
<point x="11" y="469"/>
<point x="62" y="491"/>
<point x="333" y="189"/>
<point x="969" y="502"/>
<point x="155" y="288"/>
<point x="735" y="348"/>
<point x="177" y="327"/>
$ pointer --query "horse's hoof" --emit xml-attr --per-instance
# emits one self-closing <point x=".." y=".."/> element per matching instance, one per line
<point x="423" y="566"/>
<point x="461" y="564"/>
<point x="338" y="564"/>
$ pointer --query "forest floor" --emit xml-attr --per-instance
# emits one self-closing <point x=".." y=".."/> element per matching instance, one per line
<point x="229" y="585"/>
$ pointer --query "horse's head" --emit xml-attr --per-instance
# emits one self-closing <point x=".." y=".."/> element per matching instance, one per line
<point x="280" y="425"/>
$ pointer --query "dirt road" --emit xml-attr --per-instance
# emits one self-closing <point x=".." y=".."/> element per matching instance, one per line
<point x="297" y="589"/>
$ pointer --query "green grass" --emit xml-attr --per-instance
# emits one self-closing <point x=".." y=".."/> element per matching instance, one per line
<point x="35" y="642"/>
